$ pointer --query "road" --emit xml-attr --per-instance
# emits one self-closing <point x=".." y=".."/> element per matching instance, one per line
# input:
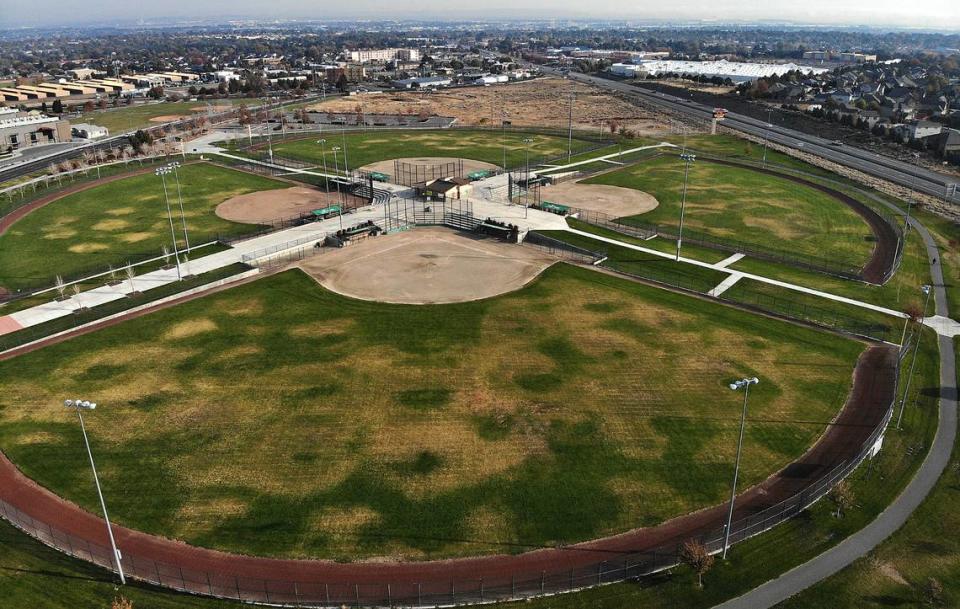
<point x="905" y="174"/>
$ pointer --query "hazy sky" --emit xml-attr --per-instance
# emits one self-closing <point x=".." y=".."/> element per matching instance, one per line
<point x="939" y="14"/>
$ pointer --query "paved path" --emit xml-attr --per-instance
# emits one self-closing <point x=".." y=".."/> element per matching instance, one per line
<point x="726" y="284"/>
<point x="760" y="278"/>
<point x="896" y="514"/>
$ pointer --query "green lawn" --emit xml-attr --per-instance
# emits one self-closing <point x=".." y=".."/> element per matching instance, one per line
<point x="738" y="204"/>
<point x="120" y="221"/>
<point x="282" y="419"/>
<point x="129" y="118"/>
<point x="737" y="149"/>
<point x="368" y="147"/>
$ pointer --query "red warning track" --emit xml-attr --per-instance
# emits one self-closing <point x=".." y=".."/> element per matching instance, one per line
<point x="178" y="565"/>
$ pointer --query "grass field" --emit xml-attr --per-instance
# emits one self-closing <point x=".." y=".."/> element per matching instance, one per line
<point x="744" y="205"/>
<point x="281" y="419"/>
<point x="488" y="146"/>
<point x="129" y="118"/>
<point x="120" y="221"/>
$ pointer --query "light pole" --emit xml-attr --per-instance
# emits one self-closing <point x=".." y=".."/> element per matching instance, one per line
<point x="766" y="137"/>
<point x="343" y="140"/>
<point x="323" y="155"/>
<point x="336" y="170"/>
<point x="688" y="159"/>
<point x="916" y="348"/>
<point x="162" y="172"/>
<point x="183" y="217"/>
<point x="526" y="188"/>
<point x="570" y="130"/>
<point x="745" y="385"/>
<point x="79" y="406"/>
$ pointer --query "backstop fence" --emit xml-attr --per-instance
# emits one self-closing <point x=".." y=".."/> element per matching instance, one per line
<point x="519" y="583"/>
<point x="408" y="174"/>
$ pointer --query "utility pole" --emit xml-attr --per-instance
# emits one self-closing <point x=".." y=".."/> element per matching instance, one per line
<point x="570" y="129"/>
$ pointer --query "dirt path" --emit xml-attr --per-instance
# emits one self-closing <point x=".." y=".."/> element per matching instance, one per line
<point x="175" y="564"/>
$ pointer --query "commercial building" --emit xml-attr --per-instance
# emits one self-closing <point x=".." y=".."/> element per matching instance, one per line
<point x="734" y="70"/>
<point x="367" y="55"/>
<point x="31" y="130"/>
<point x="422" y="83"/>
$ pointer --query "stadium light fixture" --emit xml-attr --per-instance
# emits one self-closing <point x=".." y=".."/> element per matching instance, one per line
<point x="163" y="172"/>
<point x="323" y="155"/>
<point x="526" y="176"/>
<point x="336" y="170"/>
<point x="688" y="160"/>
<point x="926" y="289"/>
<point x="80" y="406"/>
<point x="183" y="218"/>
<point x="736" y="386"/>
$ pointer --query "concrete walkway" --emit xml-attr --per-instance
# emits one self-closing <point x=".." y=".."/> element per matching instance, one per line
<point x="896" y="514"/>
<point x="717" y="267"/>
<point x="726" y="284"/>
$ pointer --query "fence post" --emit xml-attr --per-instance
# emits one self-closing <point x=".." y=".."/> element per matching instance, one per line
<point x="419" y="601"/>
<point x="209" y="585"/>
<point x="326" y="592"/>
<point x="236" y="581"/>
<point x="453" y="592"/>
<point x="543" y="576"/>
<point x="389" y="597"/>
<point x="356" y="592"/>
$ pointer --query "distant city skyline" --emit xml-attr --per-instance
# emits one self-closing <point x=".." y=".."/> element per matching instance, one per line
<point x="940" y="15"/>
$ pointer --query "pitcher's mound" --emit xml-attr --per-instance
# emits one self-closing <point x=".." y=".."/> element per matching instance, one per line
<point x="269" y="205"/>
<point x="427" y="266"/>
<point x="615" y="201"/>
<point x="469" y="165"/>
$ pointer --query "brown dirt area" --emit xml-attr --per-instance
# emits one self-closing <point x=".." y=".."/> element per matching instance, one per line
<point x="270" y="205"/>
<point x="615" y="201"/>
<point x="542" y="102"/>
<point x="469" y="165"/>
<point x="427" y="266"/>
<point x="166" y="118"/>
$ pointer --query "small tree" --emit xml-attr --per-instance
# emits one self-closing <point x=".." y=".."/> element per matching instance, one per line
<point x="933" y="593"/>
<point x="841" y="495"/>
<point x="131" y="273"/>
<point x="695" y="555"/>
<point x="61" y="286"/>
<point x="121" y="602"/>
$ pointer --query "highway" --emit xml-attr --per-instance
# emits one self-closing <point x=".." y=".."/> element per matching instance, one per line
<point x="944" y="187"/>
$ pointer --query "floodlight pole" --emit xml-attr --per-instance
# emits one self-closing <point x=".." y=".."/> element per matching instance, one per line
<point x="336" y="170"/>
<point x="745" y="385"/>
<point x="526" y="188"/>
<point x="183" y="217"/>
<point x="323" y="154"/>
<point x="162" y="172"/>
<point x="688" y="159"/>
<point x="343" y="138"/>
<point x="766" y="138"/>
<point x="570" y="130"/>
<point x="926" y="289"/>
<point x="79" y="405"/>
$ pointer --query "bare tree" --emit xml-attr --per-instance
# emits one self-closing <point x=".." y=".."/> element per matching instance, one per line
<point x="933" y="593"/>
<point x="695" y="555"/>
<point x="121" y="602"/>
<point x="842" y="497"/>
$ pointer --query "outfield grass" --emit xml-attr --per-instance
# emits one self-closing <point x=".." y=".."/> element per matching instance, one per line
<point x="738" y="149"/>
<point x="121" y="221"/>
<point x="278" y="418"/>
<point x="129" y="118"/>
<point x="369" y="147"/>
<point x="744" y="205"/>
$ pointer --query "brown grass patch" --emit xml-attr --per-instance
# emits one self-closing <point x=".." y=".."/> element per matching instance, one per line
<point x="189" y="328"/>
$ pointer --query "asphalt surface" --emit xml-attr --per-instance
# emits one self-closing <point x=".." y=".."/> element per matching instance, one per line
<point x="891" y="519"/>
<point x="905" y="174"/>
